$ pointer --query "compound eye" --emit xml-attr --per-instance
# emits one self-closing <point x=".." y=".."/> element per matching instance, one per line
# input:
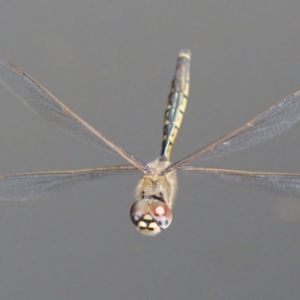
<point x="161" y="213"/>
<point x="138" y="209"/>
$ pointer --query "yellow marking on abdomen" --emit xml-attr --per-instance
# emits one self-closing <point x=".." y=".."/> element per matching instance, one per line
<point x="177" y="102"/>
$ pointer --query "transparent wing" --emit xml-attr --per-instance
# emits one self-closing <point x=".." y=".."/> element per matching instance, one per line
<point x="285" y="183"/>
<point x="42" y="102"/>
<point x="270" y="123"/>
<point x="29" y="186"/>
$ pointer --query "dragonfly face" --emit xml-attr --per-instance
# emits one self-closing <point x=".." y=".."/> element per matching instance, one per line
<point x="150" y="216"/>
<point x="156" y="190"/>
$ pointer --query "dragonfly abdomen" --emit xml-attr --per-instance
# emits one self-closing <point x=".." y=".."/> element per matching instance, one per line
<point x="177" y="102"/>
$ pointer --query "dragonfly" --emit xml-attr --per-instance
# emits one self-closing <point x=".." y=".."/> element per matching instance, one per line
<point x="155" y="192"/>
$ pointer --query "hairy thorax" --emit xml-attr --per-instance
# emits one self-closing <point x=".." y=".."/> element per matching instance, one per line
<point x="157" y="186"/>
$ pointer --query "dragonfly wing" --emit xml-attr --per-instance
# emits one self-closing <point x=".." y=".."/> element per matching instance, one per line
<point x="285" y="183"/>
<point x="42" y="102"/>
<point x="267" y="125"/>
<point x="29" y="186"/>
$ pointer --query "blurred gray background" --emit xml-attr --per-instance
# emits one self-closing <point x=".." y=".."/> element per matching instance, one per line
<point x="112" y="63"/>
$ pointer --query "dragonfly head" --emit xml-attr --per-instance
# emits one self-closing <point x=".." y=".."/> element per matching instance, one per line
<point x="150" y="216"/>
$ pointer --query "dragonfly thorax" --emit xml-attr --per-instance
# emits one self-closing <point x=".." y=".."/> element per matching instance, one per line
<point x="156" y="185"/>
